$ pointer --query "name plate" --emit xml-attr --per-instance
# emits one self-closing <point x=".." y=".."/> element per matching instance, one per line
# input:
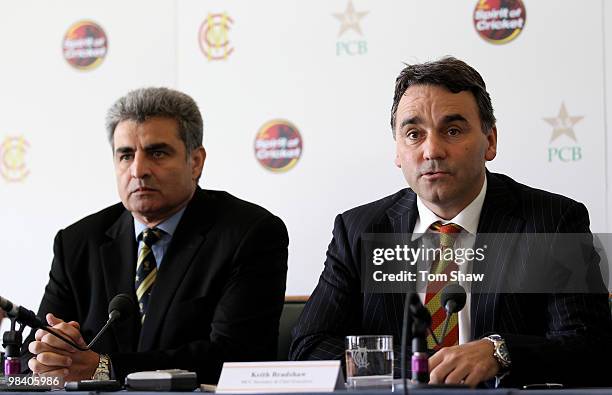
<point x="293" y="376"/>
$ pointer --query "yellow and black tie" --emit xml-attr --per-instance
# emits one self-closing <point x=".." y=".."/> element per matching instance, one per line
<point x="443" y="265"/>
<point x="146" y="269"/>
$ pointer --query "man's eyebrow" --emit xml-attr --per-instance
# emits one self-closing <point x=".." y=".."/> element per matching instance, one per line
<point x="123" y="150"/>
<point x="410" y="121"/>
<point x="158" y="146"/>
<point x="453" y="118"/>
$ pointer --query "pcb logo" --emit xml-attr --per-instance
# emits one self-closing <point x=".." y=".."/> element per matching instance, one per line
<point x="85" y="45"/>
<point x="350" y="21"/>
<point x="13" y="166"/>
<point x="214" y="36"/>
<point x="567" y="148"/>
<point x="499" y="21"/>
<point x="278" y="145"/>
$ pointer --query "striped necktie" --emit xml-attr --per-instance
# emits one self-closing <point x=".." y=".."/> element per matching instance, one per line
<point x="146" y="269"/>
<point x="443" y="265"/>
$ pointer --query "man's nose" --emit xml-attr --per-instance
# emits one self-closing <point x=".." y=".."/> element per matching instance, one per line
<point x="434" y="147"/>
<point x="140" y="166"/>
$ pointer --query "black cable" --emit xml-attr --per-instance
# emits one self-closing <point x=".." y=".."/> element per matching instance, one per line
<point x="50" y="330"/>
<point x="444" y="328"/>
<point x="112" y="317"/>
<point x="433" y="335"/>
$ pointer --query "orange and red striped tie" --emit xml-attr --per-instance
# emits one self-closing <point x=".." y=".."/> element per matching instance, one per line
<point x="448" y="235"/>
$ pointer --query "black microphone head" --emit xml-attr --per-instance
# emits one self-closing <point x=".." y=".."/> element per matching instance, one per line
<point x="123" y="305"/>
<point x="454" y="293"/>
<point x="7" y="306"/>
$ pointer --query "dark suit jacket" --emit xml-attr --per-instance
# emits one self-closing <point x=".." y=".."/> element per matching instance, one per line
<point x="218" y="295"/>
<point x="550" y="337"/>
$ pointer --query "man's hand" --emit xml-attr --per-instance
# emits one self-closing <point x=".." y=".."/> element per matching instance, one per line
<point x="54" y="357"/>
<point x="2" y="314"/>
<point x="468" y="364"/>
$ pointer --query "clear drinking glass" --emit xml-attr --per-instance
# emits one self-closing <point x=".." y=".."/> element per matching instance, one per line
<point x="369" y="361"/>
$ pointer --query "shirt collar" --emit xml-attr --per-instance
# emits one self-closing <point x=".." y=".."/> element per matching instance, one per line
<point x="468" y="217"/>
<point x="168" y="226"/>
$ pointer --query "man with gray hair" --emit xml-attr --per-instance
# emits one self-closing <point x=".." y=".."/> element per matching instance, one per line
<point x="208" y="270"/>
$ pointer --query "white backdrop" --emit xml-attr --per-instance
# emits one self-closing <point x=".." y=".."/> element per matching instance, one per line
<point x="285" y="64"/>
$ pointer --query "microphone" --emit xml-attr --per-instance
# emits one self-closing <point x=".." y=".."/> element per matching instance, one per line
<point x="21" y="314"/>
<point x="120" y="307"/>
<point x="453" y="299"/>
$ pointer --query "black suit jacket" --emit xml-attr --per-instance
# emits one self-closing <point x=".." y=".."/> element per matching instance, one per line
<point x="218" y="295"/>
<point x="550" y="337"/>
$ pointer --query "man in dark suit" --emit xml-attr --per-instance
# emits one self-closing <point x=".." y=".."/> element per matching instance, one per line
<point x="208" y="269"/>
<point x="444" y="129"/>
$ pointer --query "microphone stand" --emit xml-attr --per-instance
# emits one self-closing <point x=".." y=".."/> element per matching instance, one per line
<point x="420" y="356"/>
<point x="407" y="320"/>
<point x="25" y="317"/>
<point x="417" y="320"/>
<point x="11" y="341"/>
<point x="415" y="311"/>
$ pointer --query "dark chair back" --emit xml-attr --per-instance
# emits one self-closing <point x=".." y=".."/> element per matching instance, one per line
<point x="291" y="312"/>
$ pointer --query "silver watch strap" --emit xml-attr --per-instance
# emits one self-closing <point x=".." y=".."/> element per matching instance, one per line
<point x="103" y="370"/>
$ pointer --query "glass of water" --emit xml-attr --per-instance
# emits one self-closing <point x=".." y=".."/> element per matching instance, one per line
<point x="369" y="361"/>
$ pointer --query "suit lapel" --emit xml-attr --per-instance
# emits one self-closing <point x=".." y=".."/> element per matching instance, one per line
<point x="118" y="257"/>
<point x="498" y="230"/>
<point x="189" y="236"/>
<point x="402" y="217"/>
<point x="403" y="213"/>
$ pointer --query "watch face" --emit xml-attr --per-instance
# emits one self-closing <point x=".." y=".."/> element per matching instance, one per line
<point x="503" y="352"/>
<point x="503" y="356"/>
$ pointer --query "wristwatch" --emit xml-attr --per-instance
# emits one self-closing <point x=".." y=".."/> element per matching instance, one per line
<point x="103" y="370"/>
<point x="501" y="354"/>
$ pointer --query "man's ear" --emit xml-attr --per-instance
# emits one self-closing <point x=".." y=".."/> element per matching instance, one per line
<point x="491" y="151"/>
<point x="198" y="157"/>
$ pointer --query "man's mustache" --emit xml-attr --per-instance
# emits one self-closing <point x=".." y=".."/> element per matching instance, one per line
<point x="434" y="167"/>
<point x="142" y="186"/>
